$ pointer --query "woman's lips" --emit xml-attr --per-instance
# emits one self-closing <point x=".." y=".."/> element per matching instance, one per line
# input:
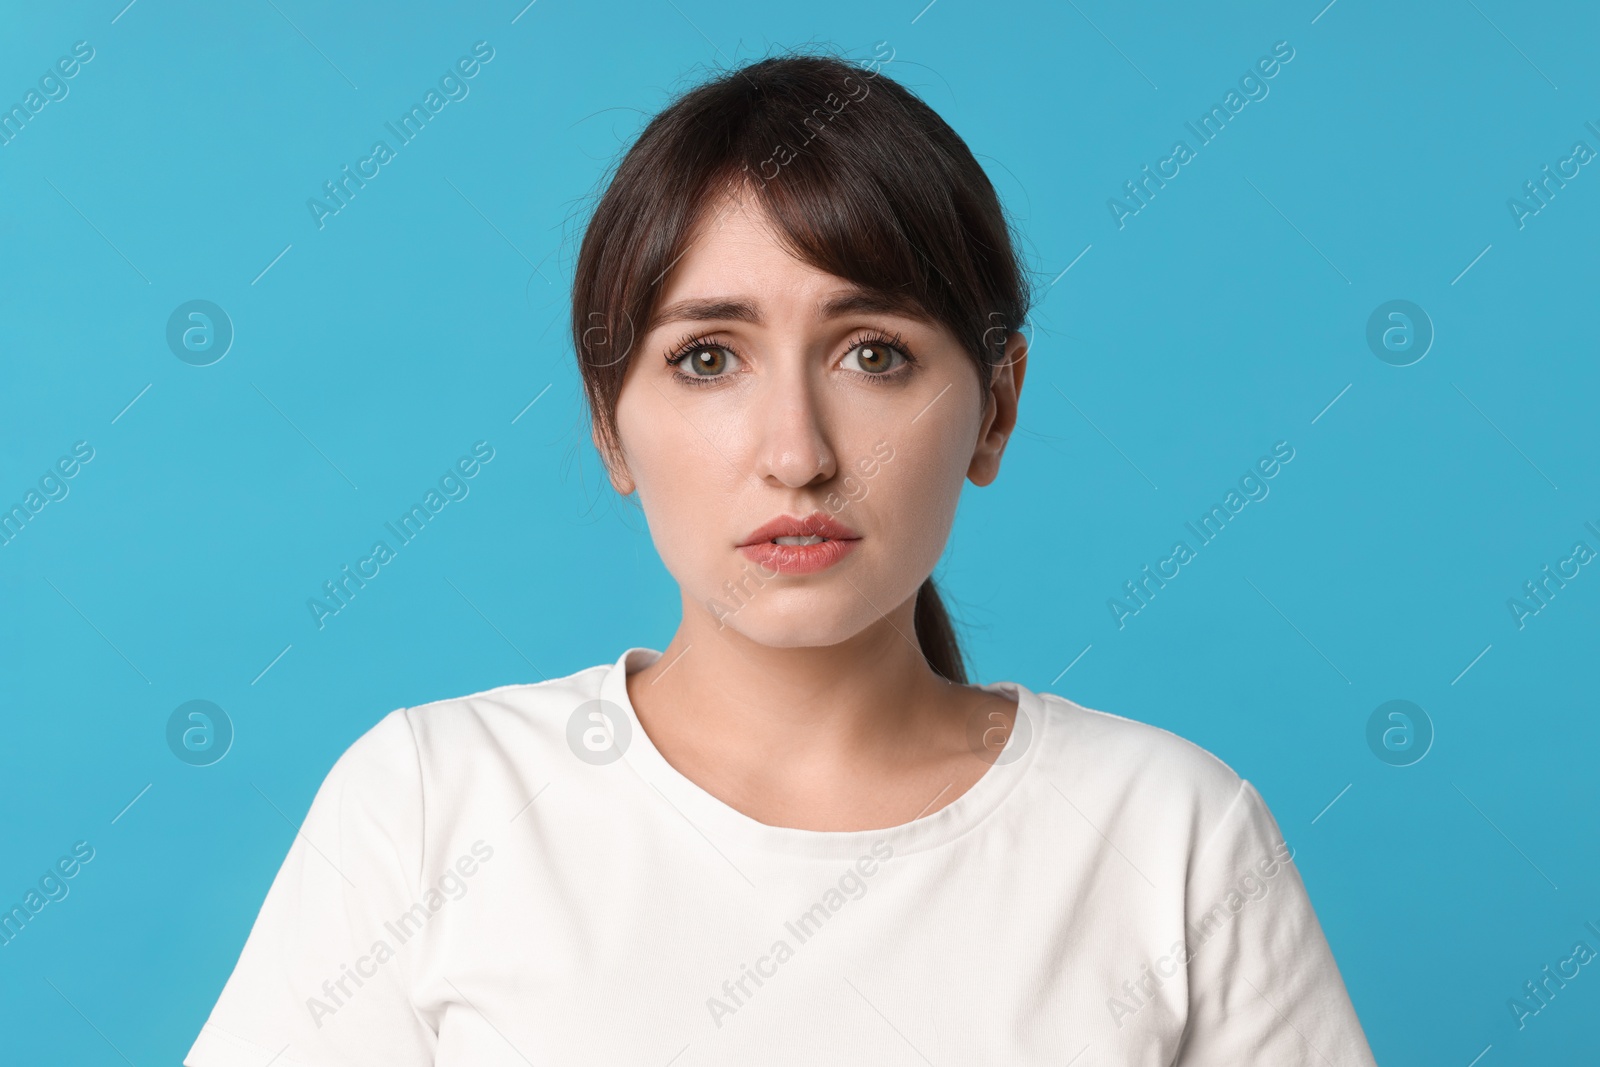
<point x="818" y="523"/>
<point x="761" y="545"/>
<point x="798" y="559"/>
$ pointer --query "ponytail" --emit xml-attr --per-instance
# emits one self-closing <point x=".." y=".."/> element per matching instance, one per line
<point x="937" y="637"/>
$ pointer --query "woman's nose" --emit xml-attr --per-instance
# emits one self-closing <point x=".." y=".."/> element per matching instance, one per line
<point x="792" y="438"/>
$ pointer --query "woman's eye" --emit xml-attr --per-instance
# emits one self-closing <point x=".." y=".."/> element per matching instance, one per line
<point x="873" y="357"/>
<point x="709" y="361"/>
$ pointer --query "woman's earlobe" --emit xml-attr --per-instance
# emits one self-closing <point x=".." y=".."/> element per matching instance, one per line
<point x="622" y="484"/>
<point x="621" y="480"/>
<point x="616" y="467"/>
<point x="1000" y="411"/>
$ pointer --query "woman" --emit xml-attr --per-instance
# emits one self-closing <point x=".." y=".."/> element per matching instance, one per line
<point x="796" y="834"/>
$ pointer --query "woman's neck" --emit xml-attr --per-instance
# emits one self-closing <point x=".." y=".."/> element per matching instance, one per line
<point x="858" y="735"/>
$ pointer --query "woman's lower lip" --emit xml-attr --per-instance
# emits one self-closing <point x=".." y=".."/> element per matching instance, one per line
<point x="798" y="559"/>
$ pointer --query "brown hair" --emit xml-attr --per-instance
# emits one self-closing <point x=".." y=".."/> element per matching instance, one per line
<point x="861" y="179"/>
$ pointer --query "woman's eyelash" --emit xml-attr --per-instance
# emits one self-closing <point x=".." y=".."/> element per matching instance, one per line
<point x="871" y="337"/>
<point x="680" y="351"/>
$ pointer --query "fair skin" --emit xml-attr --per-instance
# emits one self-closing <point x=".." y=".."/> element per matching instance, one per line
<point x="802" y="700"/>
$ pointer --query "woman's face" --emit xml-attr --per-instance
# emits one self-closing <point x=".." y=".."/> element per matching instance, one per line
<point x="784" y="406"/>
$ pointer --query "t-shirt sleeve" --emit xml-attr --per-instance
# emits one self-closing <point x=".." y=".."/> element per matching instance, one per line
<point x="1263" y="985"/>
<point x="323" y="978"/>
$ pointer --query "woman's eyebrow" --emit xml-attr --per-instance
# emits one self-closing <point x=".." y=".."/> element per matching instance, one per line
<point x="737" y="309"/>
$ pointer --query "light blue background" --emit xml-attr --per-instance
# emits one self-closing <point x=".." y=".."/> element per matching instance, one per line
<point x="1224" y="317"/>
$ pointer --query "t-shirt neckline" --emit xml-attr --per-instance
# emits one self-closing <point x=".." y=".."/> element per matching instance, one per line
<point x="726" y="824"/>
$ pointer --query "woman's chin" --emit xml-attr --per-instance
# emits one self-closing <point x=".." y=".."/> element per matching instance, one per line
<point x="797" y="624"/>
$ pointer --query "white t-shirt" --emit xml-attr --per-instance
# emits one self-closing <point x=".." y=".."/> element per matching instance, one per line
<point x="518" y="877"/>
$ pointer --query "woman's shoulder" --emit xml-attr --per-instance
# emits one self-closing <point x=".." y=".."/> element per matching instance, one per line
<point x="453" y="733"/>
<point x="507" y="715"/>
<point x="1100" y="753"/>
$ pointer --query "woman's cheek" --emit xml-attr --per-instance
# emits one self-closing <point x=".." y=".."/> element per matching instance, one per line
<point x="934" y="471"/>
<point x="686" y="508"/>
<point x="667" y="512"/>
<point x="906" y="508"/>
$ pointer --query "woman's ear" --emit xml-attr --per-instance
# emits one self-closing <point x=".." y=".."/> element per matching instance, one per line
<point x="1000" y="410"/>
<point x="616" y="465"/>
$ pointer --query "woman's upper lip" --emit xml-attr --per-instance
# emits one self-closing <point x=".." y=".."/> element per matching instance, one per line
<point x="819" y="523"/>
